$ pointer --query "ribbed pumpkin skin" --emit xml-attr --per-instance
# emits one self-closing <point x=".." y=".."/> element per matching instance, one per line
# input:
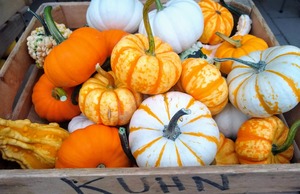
<point x="73" y="61"/>
<point x="90" y="147"/>
<point x="145" y="73"/>
<point x="255" y="138"/>
<point x="104" y="104"/>
<point x="47" y="107"/>
<point x="205" y="83"/>
<point x="195" y="146"/>
<point x="249" y="43"/>
<point x="226" y="154"/>
<point x="272" y="90"/>
<point x="216" y="19"/>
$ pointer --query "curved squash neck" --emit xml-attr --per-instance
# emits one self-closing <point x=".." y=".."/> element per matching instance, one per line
<point x="52" y="26"/>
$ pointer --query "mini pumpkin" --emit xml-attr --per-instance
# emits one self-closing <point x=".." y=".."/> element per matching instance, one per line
<point x="205" y="83"/>
<point x="114" y="14"/>
<point x="175" y="19"/>
<point x="173" y="129"/>
<point x="145" y="64"/>
<point x="237" y="46"/>
<point x="265" y="83"/>
<point x="73" y="60"/>
<point x="105" y="100"/>
<point x="91" y="147"/>
<point x="217" y="18"/>
<point x="226" y="154"/>
<point x="265" y="141"/>
<point x="53" y="103"/>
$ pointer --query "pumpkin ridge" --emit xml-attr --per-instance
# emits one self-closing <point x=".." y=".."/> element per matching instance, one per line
<point x="207" y="137"/>
<point x="144" y="148"/>
<point x="199" y="160"/>
<point x="179" y="162"/>
<point x="290" y="82"/>
<point x="157" y="163"/>
<point x="262" y="101"/>
<point x="196" y="118"/>
<point x="157" y="83"/>
<point x="167" y="109"/>
<point x="150" y="113"/>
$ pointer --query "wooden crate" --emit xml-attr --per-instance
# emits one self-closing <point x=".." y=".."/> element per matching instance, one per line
<point x="17" y="79"/>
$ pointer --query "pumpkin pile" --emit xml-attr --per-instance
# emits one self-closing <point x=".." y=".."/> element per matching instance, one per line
<point x="139" y="90"/>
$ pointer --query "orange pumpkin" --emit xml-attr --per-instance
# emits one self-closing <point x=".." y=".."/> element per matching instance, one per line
<point x="217" y="18"/>
<point x="145" y="64"/>
<point x="112" y="37"/>
<point x="236" y="47"/>
<point x="73" y="61"/>
<point x="91" y="147"/>
<point x="105" y="100"/>
<point x="53" y="103"/>
<point x="226" y="154"/>
<point x="265" y="141"/>
<point x="205" y="83"/>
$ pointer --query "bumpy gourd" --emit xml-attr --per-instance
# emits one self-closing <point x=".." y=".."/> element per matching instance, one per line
<point x="31" y="145"/>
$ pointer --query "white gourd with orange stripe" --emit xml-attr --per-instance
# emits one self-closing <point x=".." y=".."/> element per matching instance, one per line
<point x="272" y="88"/>
<point x="194" y="136"/>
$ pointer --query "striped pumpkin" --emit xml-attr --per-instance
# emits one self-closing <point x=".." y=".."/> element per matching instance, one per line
<point x="105" y="100"/>
<point x="205" y="83"/>
<point x="173" y="129"/>
<point x="271" y="85"/>
<point x="217" y="18"/>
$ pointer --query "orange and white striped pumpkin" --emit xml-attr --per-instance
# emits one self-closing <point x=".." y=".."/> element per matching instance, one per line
<point x="271" y="88"/>
<point x="160" y="136"/>
<point x="205" y="83"/>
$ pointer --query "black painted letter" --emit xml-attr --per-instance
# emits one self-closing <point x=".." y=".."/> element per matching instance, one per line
<point x="164" y="186"/>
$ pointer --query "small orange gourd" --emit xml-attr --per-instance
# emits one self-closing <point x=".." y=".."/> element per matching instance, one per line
<point x="91" y="147"/>
<point x="205" y="83"/>
<point x="265" y="141"/>
<point x="53" y="103"/>
<point x="145" y="64"/>
<point x="237" y="46"/>
<point x="226" y="154"/>
<point x="217" y="18"/>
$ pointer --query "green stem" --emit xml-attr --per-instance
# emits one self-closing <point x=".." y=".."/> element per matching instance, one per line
<point x="41" y="21"/>
<point x="151" y="49"/>
<point x="55" y="33"/>
<point x="260" y="66"/>
<point x="235" y="43"/>
<point x="231" y="8"/>
<point x="172" y="131"/>
<point x="59" y="94"/>
<point x="289" y="140"/>
<point x="125" y="143"/>
<point x="159" y="5"/>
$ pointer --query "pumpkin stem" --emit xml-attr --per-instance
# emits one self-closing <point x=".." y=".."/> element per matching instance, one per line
<point x="260" y="66"/>
<point x="147" y="25"/>
<point x="235" y="43"/>
<point x="59" y="38"/>
<point x="47" y="32"/>
<point x="172" y="131"/>
<point x="109" y="77"/>
<point x="159" y="5"/>
<point x="289" y="140"/>
<point x="59" y="94"/>
<point x="125" y="143"/>
<point x="231" y="8"/>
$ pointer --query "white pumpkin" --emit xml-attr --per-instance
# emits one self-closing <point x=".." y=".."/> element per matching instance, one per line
<point x="115" y="14"/>
<point x="178" y="22"/>
<point x="79" y="122"/>
<point x="273" y="87"/>
<point x="229" y="120"/>
<point x="173" y="129"/>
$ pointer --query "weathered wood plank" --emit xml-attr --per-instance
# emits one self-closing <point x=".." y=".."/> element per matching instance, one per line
<point x="211" y="179"/>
